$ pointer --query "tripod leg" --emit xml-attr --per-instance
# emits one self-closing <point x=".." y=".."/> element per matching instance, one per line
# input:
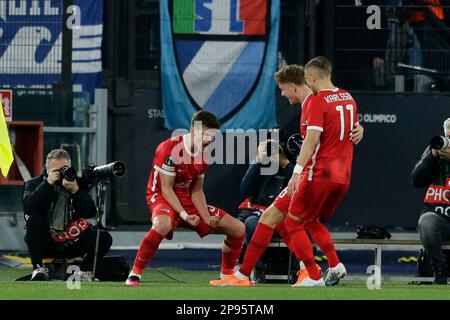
<point x="97" y="240"/>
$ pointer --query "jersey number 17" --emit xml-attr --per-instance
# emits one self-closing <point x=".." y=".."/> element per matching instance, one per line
<point x="340" y="109"/>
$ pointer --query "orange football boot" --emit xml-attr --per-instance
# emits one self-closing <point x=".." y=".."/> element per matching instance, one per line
<point x="231" y="281"/>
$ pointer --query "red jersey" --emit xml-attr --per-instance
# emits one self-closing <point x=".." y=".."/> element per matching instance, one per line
<point x="304" y="125"/>
<point x="303" y="121"/>
<point x="335" y="114"/>
<point x="173" y="158"/>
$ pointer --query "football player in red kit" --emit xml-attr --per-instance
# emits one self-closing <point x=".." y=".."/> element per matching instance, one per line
<point x="176" y="199"/>
<point x="291" y="81"/>
<point x="322" y="175"/>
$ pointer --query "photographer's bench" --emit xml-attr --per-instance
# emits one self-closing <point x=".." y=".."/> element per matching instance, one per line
<point x="367" y="244"/>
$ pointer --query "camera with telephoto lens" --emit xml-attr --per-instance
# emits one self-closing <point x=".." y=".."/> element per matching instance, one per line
<point x="68" y="173"/>
<point x="116" y="169"/>
<point x="439" y="143"/>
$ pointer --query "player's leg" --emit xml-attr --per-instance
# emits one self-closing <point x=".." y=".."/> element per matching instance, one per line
<point x="302" y="272"/>
<point x="322" y="238"/>
<point x="304" y="206"/>
<point x="304" y="251"/>
<point x="234" y="231"/>
<point x="163" y="223"/>
<point x="321" y="235"/>
<point x="282" y="231"/>
<point x="271" y="217"/>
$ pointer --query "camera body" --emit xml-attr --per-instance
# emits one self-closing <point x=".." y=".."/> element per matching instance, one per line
<point x="68" y="173"/>
<point x="439" y="143"/>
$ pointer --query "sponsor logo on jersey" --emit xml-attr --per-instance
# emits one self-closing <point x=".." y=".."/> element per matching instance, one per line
<point x="169" y="161"/>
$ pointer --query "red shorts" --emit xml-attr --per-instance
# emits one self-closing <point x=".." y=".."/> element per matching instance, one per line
<point x="316" y="200"/>
<point x="158" y="206"/>
<point x="283" y="201"/>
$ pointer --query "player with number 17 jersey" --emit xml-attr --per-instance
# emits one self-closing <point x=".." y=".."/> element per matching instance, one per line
<point x="335" y="114"/>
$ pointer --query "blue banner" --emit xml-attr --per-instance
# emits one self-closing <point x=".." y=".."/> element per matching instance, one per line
<point x="220" y="56"/>
<point x="31" y="44"/>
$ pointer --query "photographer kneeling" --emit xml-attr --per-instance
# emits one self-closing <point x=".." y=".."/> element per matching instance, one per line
<point x="433" y="172"/>
<point x="261" y="190"/>
<point x="56" y="206"/>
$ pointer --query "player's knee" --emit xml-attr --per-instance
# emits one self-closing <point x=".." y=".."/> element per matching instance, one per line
<point x="272" y="217"/>
<point x="239" y="229"/>
<point x="162" y="226"/>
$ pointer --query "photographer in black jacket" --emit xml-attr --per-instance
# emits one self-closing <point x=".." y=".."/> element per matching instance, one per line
<point x="433" y="172"/>
<point x="56" y="210"/>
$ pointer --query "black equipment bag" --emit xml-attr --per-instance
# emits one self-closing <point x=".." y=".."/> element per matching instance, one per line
<point x="372" y="232"/>
<point x="112" y="268"/>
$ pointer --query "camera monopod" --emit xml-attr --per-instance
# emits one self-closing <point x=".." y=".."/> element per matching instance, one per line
<point x="101" y="189"/>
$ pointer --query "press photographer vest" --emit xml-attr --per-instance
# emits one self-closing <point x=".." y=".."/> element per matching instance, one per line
<point x="63" y="227"/>
<point x="437" y="196"/>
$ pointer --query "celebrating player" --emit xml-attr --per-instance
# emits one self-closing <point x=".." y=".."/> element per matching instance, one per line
<point x="176" y="199"/>
<point x="292" y="84"/>
<point x="322" y="175"/>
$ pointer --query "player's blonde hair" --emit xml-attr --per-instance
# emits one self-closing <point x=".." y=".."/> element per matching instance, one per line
<point x="291" y="74"/>
<point x="322" y="65"/>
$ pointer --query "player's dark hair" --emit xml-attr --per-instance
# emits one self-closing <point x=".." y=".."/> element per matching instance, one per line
<point x="208" y="119"/>
<point x="291" y="74"/>
<point x="322" y="64"/>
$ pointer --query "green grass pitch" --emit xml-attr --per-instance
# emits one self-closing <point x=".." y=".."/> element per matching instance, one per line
<point x="194" y="286"/>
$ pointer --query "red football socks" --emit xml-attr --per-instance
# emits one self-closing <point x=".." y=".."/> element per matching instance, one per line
<point x="260" y="240"/>
<point x="322" y="238"/>
<point x="304" y="251"/>
<point x="147" y="250"/>
<point x="230" y="258"/>
<point x="281" y="228"/>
